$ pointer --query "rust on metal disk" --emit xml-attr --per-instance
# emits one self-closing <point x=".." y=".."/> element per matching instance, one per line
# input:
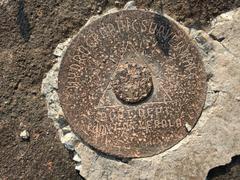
<point x="130" y="83"/>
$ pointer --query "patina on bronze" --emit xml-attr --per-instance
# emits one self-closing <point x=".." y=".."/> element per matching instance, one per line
<point x="130" y="82"/>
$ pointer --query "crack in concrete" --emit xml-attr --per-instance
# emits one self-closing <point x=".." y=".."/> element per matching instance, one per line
<point x="228" y="50"/>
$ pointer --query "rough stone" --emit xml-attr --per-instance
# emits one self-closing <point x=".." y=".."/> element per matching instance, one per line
<point x="69" y="140"/>
<point x="78" y="167"/>
<point x="228" y="35"/>
<point x="25" y="135"/>
<point x="212" y="142"/>
<point x="76" y="158"/>
<point x="66" y="129"/>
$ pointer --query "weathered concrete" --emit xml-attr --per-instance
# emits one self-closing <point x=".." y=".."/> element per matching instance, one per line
<point x="212" y="142"/>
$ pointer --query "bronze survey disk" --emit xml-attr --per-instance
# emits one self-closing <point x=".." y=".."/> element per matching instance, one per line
<point x="131" y="82"/>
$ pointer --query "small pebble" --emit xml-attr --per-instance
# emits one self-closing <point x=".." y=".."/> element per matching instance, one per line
<point x="66" y="129"/>
<point x="25" y="135"/>
<point x="99" y="11"/>
<point x="69" y="140"/>
<point x="76" y="158"/>
<point x="188" y="127"/>
<point x="78" y="167"/>
<point x="117" y="3"/>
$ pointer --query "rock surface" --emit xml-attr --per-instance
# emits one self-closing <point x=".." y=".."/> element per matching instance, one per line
<point x="212" y="142"/>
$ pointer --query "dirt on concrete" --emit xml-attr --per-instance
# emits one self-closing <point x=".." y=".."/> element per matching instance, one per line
<point x="29" y="32"/>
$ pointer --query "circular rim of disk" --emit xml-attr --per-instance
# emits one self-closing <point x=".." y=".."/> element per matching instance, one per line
<point x="151" y="124"/>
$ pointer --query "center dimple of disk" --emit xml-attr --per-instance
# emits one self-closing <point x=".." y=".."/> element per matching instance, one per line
<point x="132" y="83"/>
